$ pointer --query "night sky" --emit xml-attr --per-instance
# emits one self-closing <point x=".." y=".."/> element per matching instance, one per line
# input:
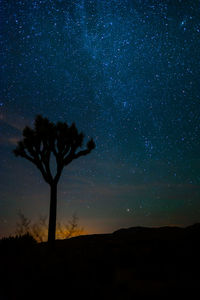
<point x="127" y="73"/>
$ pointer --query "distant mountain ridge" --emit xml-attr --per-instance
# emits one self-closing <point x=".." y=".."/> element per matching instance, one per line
<point x="137" y="234"/>
<point x="160" y="233"/>
<point x="139" y="229"/>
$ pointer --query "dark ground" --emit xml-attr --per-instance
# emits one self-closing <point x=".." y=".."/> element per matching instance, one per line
<point x="130" y="263"/>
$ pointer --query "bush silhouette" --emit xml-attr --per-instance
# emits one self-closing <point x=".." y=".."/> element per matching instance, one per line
<point x="38" y="229"/>
<point x="16" y="243"/>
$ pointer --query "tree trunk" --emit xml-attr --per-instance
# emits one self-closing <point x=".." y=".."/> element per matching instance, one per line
<point x="52" y="214"/>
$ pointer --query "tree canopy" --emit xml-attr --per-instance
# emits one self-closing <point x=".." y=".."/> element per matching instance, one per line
<point x="48" y="138"/>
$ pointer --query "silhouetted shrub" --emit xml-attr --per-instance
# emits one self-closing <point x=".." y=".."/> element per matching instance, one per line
<point x="39" y="229"/>
<point x="17" y="243"/>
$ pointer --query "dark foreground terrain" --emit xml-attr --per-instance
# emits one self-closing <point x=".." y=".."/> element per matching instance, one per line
<point x="132" y="263"/>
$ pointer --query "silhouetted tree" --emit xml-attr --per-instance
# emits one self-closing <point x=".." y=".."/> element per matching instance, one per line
<point x="40" y="143"/>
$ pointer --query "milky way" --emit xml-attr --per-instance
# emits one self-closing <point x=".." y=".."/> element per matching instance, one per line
<point x="127" y="72"/>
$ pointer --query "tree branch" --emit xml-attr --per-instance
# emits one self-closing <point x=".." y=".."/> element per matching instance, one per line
<point x="81" y="153"/>
<point x="59" y="171"/>
<point x="45" y="159"/>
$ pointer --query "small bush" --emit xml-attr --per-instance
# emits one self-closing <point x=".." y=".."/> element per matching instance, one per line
<point x="39" y="229"/>
<point x="18" y="242"/>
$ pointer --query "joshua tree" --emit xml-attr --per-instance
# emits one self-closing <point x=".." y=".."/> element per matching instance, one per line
<point x="40" y="143"/>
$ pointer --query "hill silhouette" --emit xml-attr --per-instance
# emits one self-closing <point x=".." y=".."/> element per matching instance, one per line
<point x="135" y="262"/>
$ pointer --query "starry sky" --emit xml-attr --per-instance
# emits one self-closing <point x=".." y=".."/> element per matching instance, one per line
<point x="127" y="73"/>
